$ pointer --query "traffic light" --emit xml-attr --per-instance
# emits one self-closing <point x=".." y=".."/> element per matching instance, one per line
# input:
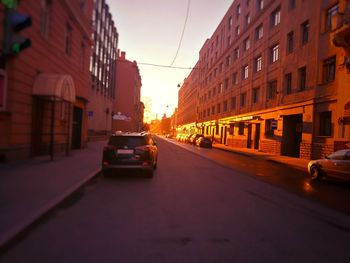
<point x="14" y="23"/>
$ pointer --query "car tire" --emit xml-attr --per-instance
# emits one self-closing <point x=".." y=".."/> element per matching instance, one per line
<point x="315" y="172"/>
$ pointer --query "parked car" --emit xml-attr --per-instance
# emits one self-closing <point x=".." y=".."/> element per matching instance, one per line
<point x="187" y="138"/>
<point x="335" y="165"/>
<point x="204" y="142"/>
<point x="135" y="151"/>
<point x="194" y="138"/>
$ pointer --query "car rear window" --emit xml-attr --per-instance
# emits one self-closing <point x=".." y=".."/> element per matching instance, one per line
<point x="130" y="141"/>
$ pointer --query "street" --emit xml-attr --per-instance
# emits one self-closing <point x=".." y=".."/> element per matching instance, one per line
<point x="203" y="205"/>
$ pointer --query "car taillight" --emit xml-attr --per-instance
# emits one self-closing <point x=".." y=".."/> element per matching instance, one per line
<point x="105" y="163"/>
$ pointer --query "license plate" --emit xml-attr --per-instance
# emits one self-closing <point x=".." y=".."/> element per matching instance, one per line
<point x="125" y="151"/>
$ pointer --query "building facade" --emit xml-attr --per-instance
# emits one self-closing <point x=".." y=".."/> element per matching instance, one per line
<point x="274" y="77"/>
<point x="102" y="67"/>
<point x="127" y="108"/>
<point x="46" y="87"/>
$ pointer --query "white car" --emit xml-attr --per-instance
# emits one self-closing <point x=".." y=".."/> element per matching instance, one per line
<point x="335" y="165"/>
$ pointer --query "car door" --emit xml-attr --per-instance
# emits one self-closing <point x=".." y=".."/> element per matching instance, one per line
<point x="344" y="167"/>
<point x="331" y="164"/>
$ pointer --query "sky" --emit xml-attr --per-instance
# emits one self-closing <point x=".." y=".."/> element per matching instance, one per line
<point x="150" y="32"/>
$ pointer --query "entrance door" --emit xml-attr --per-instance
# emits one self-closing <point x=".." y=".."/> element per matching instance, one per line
<point x="37" y="128"/>
<point x="225" y="135"/>
<point x="222" y="135"/>
<point x="249" y="137"/>
<point x="257" y="136"/>
<point x="77" y="128"/>
<point x="292" y="135"/>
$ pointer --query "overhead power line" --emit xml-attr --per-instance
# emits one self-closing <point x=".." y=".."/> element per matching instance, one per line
<point x="163" y="66"/>
<point x="183" y="31"/>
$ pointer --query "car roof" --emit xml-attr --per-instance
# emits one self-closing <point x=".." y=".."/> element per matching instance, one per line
<point x="136" y="134"/>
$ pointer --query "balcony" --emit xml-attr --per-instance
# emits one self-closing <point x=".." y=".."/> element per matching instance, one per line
<point x="341" y="35"/>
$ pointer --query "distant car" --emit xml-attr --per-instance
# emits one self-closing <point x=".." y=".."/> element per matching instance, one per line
<point x="130" y="151"/>
<point x="187" y="138"/>
<point x="204" y="142"/>
<point x="194" y="138"/>
<point x="335" y="165"/>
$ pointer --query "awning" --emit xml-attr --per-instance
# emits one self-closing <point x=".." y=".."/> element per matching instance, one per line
<point x="59" y="86"/>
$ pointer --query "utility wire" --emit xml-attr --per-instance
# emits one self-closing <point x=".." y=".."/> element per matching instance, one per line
<point x="183" y="31"/>
<point x="163" y="66"/>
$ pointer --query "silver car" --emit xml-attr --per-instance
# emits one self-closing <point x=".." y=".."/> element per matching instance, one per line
<point x="335" y="165"/>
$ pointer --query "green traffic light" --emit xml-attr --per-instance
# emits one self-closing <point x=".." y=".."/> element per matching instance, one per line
<point x="16" y="48"/>
<point x="9" y="3"/>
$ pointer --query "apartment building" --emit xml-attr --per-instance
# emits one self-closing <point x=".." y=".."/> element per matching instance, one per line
<point x="127" y="107"/>
<point x="274" y="76"/>
<point x="44" y="88"/>
<point x="102" y="68"/>
<point x="187" y="103"/>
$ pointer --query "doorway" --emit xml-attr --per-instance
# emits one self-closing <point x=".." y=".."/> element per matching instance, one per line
<point x="249" y="137"/>
<point x="292" y="135"/>
<point x="77" y="127"/>
<point x="257" y="136"/>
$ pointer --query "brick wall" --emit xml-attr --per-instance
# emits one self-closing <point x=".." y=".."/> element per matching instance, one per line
<point x="270" y="146"/>
<point x="305" y="150"/>
<point x="320" y="150"/>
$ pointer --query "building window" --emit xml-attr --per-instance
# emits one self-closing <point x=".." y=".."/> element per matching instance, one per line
<point x="247" y="19"/>
<point x="82" y="56"/>
<point x="274" y="53"/>
<point x="290" y="42"/>
<point x="229" y="41"/>
<point x="258" y="64"/>
<point x="212" y="110"/>
<point x="226" y="84"/>
<point x="276" y="17"/>
<point x="238" y="31"/>
<point x="325" y="123"/>
<point x="259" y="32"/>
<point x="302" y="78"/>
<point x="245" y="72"/>
<point x="225" y="106"/>
<point x="228" y="61"/>
<point x="270" y="126"/>
<point x="271" y="90"/>
<point x="328" y="72"/>
<point x="68" y="40"/>
<point x="233" y="103"/>
<point x="45" y="18"/>
<point x="243" y="100"/>
<point x="229" y="23"/>
<point x="241" y="128"/>
<point x="260" y="4"/>
<point x="331" y="22"/>
<point x="238" y="11"/>
<point x="221" y="67"/>
<point x="218" y="108"/>
<point x="291" y="4"/>
<point x="255" y="95"/>
<point x="234" y="78"/>
<point x="305" y="32"/>
<point x="220" y="88"/>
<point x="208" y="112"/>
<point x="246" y="44"/>
<point x="236" y="53"/>
<point x="288" y="83"/>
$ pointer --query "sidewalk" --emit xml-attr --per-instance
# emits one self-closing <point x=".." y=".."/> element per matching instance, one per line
<point x="31" y="188"/>
<point x="290" y="161"/>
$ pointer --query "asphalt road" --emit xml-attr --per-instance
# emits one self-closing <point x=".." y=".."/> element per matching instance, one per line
<point x="193" y="210"/>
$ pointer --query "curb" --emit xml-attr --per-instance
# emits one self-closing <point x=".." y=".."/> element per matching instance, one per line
<point x="7" y="238"/>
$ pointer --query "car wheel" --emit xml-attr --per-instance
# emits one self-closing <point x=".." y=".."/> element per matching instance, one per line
<point x="315" y="172"/>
